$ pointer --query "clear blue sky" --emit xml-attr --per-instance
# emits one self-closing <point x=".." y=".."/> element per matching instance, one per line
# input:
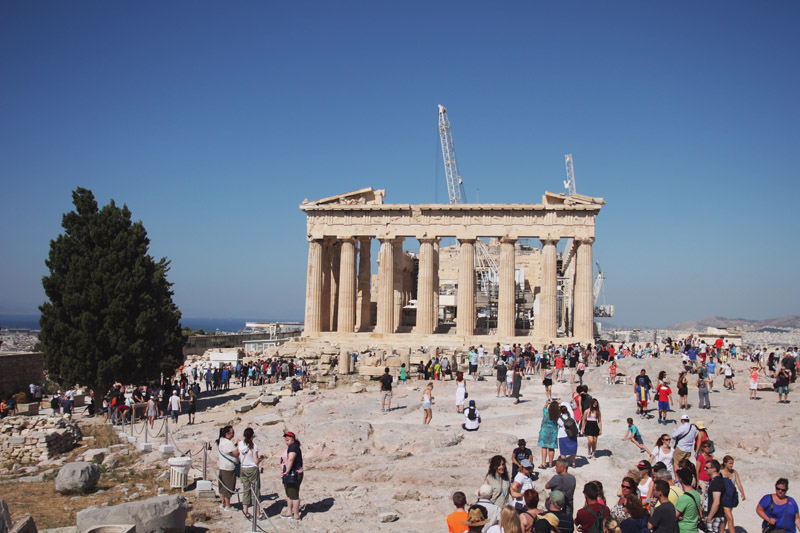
<point x="213" y="121"/>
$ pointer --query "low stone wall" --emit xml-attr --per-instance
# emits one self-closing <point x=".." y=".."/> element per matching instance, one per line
<point x="27" y="440"/>
<point x="19" y="370"/>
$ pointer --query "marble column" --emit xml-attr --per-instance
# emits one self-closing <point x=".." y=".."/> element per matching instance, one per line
<point x="435" y="284"/>
<point x="345" y="361"/>
<point x="325" y="306"/>
<point x="425" y="315"/>
<point x="314" y="288"/>
<point x="547" y="320"/>
<point x="466" y="288"/>
<point x="336" y="251"/>
<point x="364" y="319"/>
<point x="397" y="255"/>
<point x="506" y="304"/>
<point x="385" y="288"/>
<point x="347" y="287"/>
<point x="583" y="315"/>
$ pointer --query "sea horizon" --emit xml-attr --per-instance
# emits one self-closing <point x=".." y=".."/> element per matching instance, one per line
<point x="31" y="321"/>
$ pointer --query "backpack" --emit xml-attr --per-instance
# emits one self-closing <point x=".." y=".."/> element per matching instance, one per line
<point x="571" y="428"/>
<point x="599" y="524"/>
<point x="731" y="496"/>
<point x="471" y="413"/>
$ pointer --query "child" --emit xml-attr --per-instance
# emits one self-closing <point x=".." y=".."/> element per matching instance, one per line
<point x="642" y="395"/>
<point x="456" y="518"/>
<point x="403" y="374"/>
<point x="634" y="436"/>
<point x="753" y="382"/>
<point x="612" y="373"/>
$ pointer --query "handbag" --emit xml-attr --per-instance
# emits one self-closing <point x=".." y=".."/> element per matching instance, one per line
<point x="289" y="478"/>
<point x="770" y="528"/>
<point x="237" y="467"/>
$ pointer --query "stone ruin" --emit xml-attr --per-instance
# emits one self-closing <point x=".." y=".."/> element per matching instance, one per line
<point x="26" y="440"/>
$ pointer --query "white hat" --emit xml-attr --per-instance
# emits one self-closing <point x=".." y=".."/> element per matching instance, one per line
<point x="485" y="491"/>
<point x="684" y="416"/>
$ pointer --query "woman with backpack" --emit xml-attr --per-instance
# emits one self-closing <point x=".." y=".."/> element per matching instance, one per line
<point x="731" y="497"/>
<point x="567" y="434"/>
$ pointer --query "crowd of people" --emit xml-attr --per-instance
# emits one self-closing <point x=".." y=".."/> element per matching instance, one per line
<point x="681" y="485"/>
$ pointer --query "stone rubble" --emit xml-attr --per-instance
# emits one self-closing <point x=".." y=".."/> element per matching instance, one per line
<point x="27" y="440"/>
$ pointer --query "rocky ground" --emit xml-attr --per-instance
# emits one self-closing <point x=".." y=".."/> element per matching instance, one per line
<point x="364" y="466"/>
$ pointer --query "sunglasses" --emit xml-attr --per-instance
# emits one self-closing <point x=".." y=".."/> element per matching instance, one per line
<point x="782" y="489"/>
<point x="627" y="487"/>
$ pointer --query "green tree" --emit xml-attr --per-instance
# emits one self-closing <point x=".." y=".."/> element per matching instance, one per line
<point x="109" y="314"/>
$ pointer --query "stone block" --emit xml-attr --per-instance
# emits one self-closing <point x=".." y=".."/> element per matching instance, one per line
<point x="162" y="513"/>
<point x="357" y="387"/>
<point x="166" y="449"/>
<point x="126" y="528"/>
<point x="393" y="361"/>
<point x="16" y="440"/>
<point x="145" y="446"/>
<point x="110" y="462"/>
<point x="242" y="408"/>
<point x="77" y="477"/>
<point x="269" y="399"/>
<point x="95" y="455"/>
<point x="28" y="409"/>
<point x="131" y="440"/>
<point x="268" y="420"/>
<point x="204" y="484"/>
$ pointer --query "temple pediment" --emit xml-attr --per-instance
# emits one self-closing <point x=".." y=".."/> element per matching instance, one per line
<point x="555" y="198"/>
<point x="366" y="196"/>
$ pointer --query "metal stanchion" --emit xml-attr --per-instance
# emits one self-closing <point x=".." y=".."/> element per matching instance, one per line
<point x="145" y="430"/>
<point x="133" y="420"/>
<point x="166" y="431"/>
<point x="256" y="508"/>
<point x="205" y="459"/>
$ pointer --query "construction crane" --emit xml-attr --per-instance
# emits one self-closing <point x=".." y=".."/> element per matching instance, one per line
<point x="569" y="185"/>
<point x="455" y="186"/>
<point x="485" y="265"/>
<point x="602" y="311"/>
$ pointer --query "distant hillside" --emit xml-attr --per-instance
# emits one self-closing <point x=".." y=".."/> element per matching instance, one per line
<point x="792" y="321"/>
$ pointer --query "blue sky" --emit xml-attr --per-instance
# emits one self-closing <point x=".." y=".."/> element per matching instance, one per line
<point x="213" y="121"/>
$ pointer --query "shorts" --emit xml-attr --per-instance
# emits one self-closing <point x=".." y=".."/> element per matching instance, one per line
<point x="638" y="438"/>
<point x="547" y="382"/>
<point x="386" y="395"/>
<point x="754" y="385"/>
<point x="426" y="405"/>
<point x="643" y="403"/>
<point x="473" y="368"/>
<point x="501" y="382"/>
<point x="292" y="490"/>
<point x="782" y="390"/>
<point x="663" y="406"/>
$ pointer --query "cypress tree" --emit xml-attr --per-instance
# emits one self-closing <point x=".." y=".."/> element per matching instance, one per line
<point x="109" y="314"/>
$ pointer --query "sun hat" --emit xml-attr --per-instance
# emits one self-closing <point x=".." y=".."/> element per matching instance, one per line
<point x="700" y="424"/>
<point x="550" y="517"/>
<point x="477" y="516"/>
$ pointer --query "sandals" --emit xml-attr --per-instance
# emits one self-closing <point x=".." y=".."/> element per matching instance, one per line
<point x="248" y="516"/>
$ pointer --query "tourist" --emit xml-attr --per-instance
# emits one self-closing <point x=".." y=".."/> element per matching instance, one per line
<point x="522" y="482"/>
<point x="645" y="485"/>
<point x="228" y="464"/>
<point x="427" y="402"/>
<point x="516" y="383"/>
<point x="250" y="461"/>
<point x="509" y="522"/>
<point x="727" y="371"/>
<point x="476" y="518"/>
<point x="497" y="478"/>
<point x="592" y="427"/>
<point x="629" y="483"/>
<point x="662" y="519"/>
<point x="492" y="510"/>
<point x="472" y="418"/>
<point x="403" y="374"/>
<point x="461" y="392"/>
<point x="778" y="510"/>
<point x="683" y="437"/>
<point x="715" y="515"/>
<point x="502" y="371"/>
<point x="473" y="365"/>
<point x="664" y="396"/>
<point x="547" y="377"/>
<point x="731" y="497"/>
<point x="557" y="502"/>
<point x="548" y="433"/>
<point x="528" y="517"/>
<point x="386" y="390"/>
<point x="634" y="436"/>
<point x="754" y="382"/>
<point x="592" y="510"/>
<point x="565" y="483"/>
<point x="663" y="452"/>
<point x="175" y="406"/>
<point x="192" y="404"/>
<point x="642" y="389"/>
<point x="702" y="390"/>
<point x="151" y="411"/>
<point x="518" y="454"/>
<point x="292" y="475"/>
<point x="782" y="380"/>
<point x="637" y="515"/>
<point x="702" y="459"/>
<point x="612" y="373"/>
<point x="683" y="390"/>
<point x="455" y="520"/>
<point x="688" y="507"/>
<point x="567" y="434"/>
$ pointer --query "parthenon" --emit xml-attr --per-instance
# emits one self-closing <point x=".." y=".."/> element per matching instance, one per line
<point x="341" y="295"/>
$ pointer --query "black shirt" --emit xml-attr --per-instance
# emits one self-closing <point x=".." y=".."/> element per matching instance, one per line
<point x="386" y="382"/>
<point x="298" y="460"/>
<point x="663" y="518"/>
<point x="717" y="485"/>
<point x="501" y="372"/>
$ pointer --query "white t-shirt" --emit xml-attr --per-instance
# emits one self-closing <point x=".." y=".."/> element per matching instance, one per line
<point x="226" y="448"/>
<point x="175" y="402"/>
<point x="666" y="458"/>
<point x="472" y="424"/>
<point x="525" y="483"/>
<point x="247" y="457"/>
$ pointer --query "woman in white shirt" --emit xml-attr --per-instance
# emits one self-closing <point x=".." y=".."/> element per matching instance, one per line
<point x="228" y="461"/>
<point x="662" y="452"/>
<point x="250" y="475"/>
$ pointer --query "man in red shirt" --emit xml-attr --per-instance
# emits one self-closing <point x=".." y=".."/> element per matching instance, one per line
<point x="455" y="520"/>
<point x="718" y="345"/>
<point x="592" y="510"/>
<point x="664" y="394"/>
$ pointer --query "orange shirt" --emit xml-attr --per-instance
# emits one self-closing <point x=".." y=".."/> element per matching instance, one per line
<point x="455" y="521"/>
